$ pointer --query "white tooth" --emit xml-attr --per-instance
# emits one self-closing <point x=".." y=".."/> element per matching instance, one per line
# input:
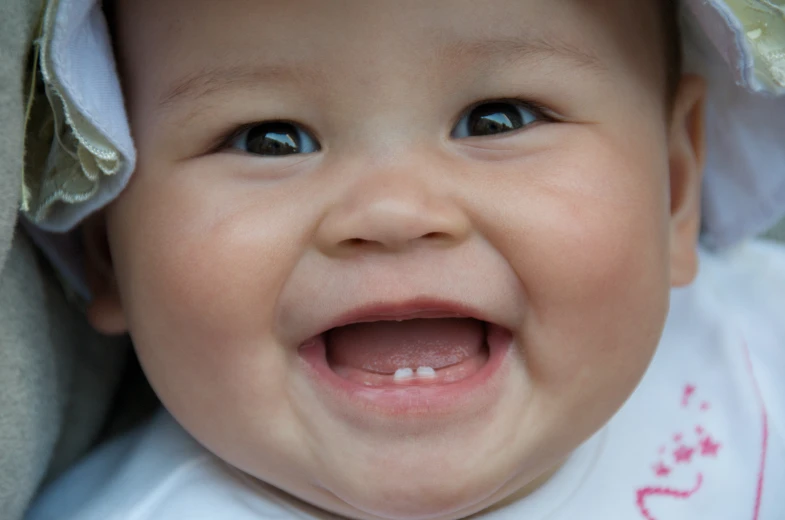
<point x="426" y="372"/>
<point x="403" y="373"/>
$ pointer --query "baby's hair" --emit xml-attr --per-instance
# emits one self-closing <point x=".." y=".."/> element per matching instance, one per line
<point x="108" y="7"/>
<point x="671" y="30"/>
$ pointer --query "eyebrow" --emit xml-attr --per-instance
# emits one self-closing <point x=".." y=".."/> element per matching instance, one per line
<point x="522" y="48"/>
<point x="214" y="79"/>
<point x="205" y="82"/>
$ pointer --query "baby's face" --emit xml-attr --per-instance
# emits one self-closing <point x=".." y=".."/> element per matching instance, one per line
<point x="483" y="186"/>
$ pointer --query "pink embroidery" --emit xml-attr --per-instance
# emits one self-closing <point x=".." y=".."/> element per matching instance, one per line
<point x="709" y="448"/>
<point x="683" y="454"/>
<point x="661" y="470"/>
<point x="765" y="441"/>
<point x="645" y="493"/>
<point x="687" y="445"/>
<point x="688" y="391"/>
<point x="706" y="447"/>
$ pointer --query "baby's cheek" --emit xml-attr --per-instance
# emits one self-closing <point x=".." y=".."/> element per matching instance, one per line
<point x="199" y="283"/>
<point x="596" y="281"/>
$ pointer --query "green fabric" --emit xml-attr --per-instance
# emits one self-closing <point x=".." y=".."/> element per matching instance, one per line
<point x="17" y="24"/>
<point x="57" y="377"/>
<point x="17" y="482"/>
<point x="778" y="233"/>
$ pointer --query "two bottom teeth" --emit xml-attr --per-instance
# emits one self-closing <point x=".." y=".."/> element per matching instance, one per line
<point x="405" y="374"/>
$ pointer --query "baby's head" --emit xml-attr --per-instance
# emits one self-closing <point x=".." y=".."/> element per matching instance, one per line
<point x="330" y="193"/>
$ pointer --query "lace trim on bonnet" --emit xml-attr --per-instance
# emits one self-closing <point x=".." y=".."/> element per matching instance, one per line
<point x="80" y="154"/>
<point x="764" y="27"/>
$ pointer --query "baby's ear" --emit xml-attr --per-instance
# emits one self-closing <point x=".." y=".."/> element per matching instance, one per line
<point x="105" y="310"/>
<point x="686" y="159"/>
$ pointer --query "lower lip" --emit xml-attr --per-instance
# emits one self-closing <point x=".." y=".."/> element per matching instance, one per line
<point x="470" y="395"/>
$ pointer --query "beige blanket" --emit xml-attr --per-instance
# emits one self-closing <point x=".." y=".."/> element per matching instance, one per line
<point x="57" y="378"/>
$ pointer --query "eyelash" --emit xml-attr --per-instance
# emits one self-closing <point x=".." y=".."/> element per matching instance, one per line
<point x="546" y="114"/>
<point x="543" y="112"/>
<point x="225" y="139"/>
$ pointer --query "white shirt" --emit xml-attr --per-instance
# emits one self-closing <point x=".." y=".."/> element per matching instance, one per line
<point x="702" y="437"/>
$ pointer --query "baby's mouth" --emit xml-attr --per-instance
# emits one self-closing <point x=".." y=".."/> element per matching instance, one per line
<point x="412" y="352"/>
<point x="409" y="361"/>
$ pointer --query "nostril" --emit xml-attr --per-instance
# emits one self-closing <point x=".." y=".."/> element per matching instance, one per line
<point x="436" y="235"/>
<point x="356" y="242"/>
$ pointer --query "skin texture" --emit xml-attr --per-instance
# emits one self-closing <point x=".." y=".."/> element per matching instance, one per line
<point x="570" y="232"/>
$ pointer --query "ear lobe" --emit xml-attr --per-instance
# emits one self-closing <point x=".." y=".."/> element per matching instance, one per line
<point x="687" y="159"/>
<point x="104" y="311"/>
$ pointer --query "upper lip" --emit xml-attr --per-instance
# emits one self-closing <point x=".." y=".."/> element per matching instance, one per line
<point x="419" y="308"/>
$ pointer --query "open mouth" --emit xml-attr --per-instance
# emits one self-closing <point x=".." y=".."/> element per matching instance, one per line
<point x="409" y="362"/>
<point x="413" y="352"/>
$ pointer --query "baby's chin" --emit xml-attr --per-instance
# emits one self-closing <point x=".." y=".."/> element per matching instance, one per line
<point x="433" y="491"/>
<point x="440" y="475"/>
<point x="418" y="493"/>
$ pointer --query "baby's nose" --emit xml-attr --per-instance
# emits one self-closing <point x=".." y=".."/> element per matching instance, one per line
<point x="392" y="213"/>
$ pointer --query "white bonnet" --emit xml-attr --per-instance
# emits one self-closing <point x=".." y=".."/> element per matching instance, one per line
<point x="85" y="158"/>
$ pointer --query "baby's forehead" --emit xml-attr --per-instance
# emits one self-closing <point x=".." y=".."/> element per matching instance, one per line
<point x="311" y="24"/>
<point x="180" y="40"/>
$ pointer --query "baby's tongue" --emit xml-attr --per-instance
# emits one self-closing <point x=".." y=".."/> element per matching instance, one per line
<point x="385" y="346"/>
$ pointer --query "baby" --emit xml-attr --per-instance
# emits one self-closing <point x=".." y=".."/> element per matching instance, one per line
<point x="427" y="260"/>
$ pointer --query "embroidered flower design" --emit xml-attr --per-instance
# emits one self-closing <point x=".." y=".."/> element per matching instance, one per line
<point x="686" y="448"/>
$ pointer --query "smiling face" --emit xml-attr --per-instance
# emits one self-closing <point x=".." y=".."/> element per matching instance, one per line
<point x="332" y="195"/>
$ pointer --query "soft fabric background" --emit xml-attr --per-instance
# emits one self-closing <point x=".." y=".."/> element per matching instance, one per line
<point x="58" y="379"/>
<point x="778" y="233"/>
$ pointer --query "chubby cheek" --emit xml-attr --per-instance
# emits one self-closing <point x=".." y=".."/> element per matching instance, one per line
<point x="597" y="308"/>
<point x="591" y="250"/>
<point x="198" y="279"/>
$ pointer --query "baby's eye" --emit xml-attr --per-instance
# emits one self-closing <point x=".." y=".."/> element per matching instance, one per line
<point x="275" y="139"/>
<point x="497" y="117"/>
